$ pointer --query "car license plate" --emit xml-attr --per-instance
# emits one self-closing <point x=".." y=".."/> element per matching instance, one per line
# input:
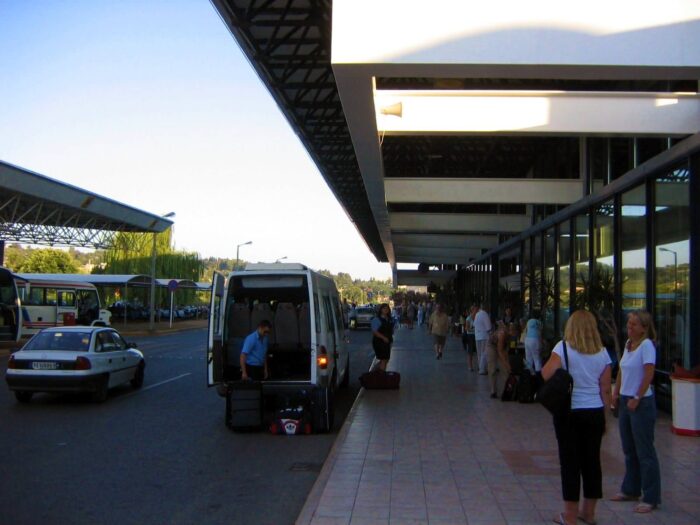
<point x="44" y="365"/>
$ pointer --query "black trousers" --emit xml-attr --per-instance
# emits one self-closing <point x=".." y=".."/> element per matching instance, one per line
<point x="579" y="435"/>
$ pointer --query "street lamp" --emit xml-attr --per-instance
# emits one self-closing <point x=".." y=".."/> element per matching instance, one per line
<point x="238" y="246"/>
<point x="281" y="259"/>
<point x="152" y="313"/>
<point x="675" y="270"/>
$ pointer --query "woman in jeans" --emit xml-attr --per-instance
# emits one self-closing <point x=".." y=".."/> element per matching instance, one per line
<point x="580" y="432"/>
<point x="637" y="406"/>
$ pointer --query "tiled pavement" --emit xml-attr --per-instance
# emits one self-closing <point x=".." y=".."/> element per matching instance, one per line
<point x="440" y="451"/>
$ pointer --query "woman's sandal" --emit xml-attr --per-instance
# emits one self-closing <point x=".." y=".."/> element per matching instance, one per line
<point x="644" y="508"/>
<point x="621" y="496"/>
<point x="587" y="522"/>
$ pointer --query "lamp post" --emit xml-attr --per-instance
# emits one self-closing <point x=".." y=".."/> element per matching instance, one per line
<point x="281" y="259"/>
<point x="152" y="312"/>
<point x="675" y="270"/>
<point x="238" y="246"/>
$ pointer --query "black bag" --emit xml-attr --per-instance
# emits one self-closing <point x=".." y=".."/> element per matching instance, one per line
<point x="244" y="405"/>
<point x="555" y="394"/>
<point x="380" y="380"/>
<point x="527" y="386"/>
<point x="510" y="390"/>
<point x="291" y="421"/>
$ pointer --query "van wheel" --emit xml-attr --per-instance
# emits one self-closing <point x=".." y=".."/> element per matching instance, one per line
<point x="346" y="377"/>
<point x="23" y="396"/>
<point x="322" y="410"/>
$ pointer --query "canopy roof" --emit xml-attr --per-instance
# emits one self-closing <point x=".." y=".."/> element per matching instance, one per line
<point x="39" y="210"/>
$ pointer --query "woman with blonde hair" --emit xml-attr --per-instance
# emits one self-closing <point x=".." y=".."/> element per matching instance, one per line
<point x="635" y="397"/>
<point x="579" y="433"/>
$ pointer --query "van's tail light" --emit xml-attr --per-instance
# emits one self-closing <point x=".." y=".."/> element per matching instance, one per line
<point x="12" y="364"/>
<point x="322" y="359"/>
<point x="82" y="363"/>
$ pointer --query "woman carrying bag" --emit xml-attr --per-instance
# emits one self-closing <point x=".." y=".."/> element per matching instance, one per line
<point x="580" y="430"/>
<point x="637" y="411"/>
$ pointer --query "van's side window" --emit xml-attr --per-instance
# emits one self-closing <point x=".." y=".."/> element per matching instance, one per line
<point x="337" y="311"/>
<point x="317" y="314"/>
<point x="329" y="314"/>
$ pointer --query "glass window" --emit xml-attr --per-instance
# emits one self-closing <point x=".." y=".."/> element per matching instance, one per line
<point x="672" y="234"/>
<point x="564" y="249"/>
<point x="549" y="286"/>
<point x="66" y="298"/>
<point x="581" y="252"/>
<point x="634" y="243"/>
<point x="526" y="278"/>
<point x="51" y="297"/>
<point x="36" y="297"/>
<point x="600" y="292"/>
<point x="317" y="314"/>
<point x="537" y="275"/>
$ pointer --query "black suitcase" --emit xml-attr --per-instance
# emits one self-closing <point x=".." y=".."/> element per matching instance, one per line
<point x="526" y="387"/>
<point x="510" y="390"/>
<point x="380" y="380"/>
<point x="244" y="406"/>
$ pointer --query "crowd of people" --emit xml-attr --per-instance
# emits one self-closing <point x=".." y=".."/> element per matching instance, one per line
<point x="581" y="352"/>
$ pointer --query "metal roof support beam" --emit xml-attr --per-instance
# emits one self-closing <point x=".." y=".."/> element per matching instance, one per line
<point x="482" y="223"/>
<point x="501" y="191"/>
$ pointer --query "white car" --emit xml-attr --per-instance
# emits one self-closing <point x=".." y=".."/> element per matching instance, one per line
<point x="74" y="359"/>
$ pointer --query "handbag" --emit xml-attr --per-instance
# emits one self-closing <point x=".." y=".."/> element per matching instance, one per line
<point x="555" y="394"/>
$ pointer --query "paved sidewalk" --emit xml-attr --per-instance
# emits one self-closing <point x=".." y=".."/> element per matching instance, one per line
<point x="440" y="451"/>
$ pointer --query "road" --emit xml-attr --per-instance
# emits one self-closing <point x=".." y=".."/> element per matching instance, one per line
<point x="160" y="455"/>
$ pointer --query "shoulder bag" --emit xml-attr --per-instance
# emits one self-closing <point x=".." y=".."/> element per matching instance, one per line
<point x="555" y="394"/>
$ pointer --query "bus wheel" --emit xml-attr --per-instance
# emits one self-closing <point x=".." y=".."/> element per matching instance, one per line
<point x="346" y="377"/>
<point x="322" y="410"/>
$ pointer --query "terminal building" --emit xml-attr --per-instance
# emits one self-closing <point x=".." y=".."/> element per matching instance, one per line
<point x="537" y="154"/>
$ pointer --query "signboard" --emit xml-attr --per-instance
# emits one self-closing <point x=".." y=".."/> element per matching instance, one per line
<point x="172" y="285"/>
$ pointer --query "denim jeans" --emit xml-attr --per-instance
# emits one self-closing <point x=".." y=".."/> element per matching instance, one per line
<point x="642" y="473"/>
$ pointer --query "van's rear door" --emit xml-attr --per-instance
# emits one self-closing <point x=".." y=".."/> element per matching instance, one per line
<point x="215" y="367"/>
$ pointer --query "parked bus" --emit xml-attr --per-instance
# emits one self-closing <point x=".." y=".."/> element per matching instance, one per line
<point x="10" y="327"/>
<point x="58" y="300"/>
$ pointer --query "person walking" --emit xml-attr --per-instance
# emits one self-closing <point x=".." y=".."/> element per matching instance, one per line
<point x="482" y="327"/>
<point x="439" y="327"/>
<point x="495" y="349"/>
<point x="421" y="314"/>
<point x="382" y="336"/>
<point x="533" y="344"/>
<point x="580" y="432"/>
<point x="634" y="396"/>
<point x="468" y="340"/>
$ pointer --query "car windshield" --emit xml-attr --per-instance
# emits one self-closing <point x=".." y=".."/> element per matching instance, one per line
<point x="72" y="341"/>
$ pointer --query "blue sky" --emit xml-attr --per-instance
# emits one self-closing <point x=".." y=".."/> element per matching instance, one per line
<point x="153" y="104"/>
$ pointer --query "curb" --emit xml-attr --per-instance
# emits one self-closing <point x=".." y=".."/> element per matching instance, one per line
<point x="312" y="500"/>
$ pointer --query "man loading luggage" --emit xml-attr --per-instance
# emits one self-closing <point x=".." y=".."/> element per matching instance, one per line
<point x="254" y="353"/>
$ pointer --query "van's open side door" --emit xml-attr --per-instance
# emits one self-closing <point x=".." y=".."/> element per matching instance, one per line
<point x="215" y="365"/>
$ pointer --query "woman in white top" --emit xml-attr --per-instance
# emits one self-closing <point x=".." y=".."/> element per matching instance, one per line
<point x="580" y="432"/>
<point x="635" y="397"/>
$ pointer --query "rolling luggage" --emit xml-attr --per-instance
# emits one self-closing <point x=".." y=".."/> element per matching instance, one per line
<point x="380" y="380"/>
<point x="244" y="406"/>
<point x="291" y="421"/>
<point x="510" y="390"/>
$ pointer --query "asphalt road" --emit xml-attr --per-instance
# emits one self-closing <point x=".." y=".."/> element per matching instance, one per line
<point x="160" y="455"/>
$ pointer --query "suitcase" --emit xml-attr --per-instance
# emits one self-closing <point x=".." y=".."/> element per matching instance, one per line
<point x="516" y="360"/>
<point x="244" y="406"/>
<point x="380" y="380"/>
<point x="510" y="390"/>
<point x="527" y="386"/>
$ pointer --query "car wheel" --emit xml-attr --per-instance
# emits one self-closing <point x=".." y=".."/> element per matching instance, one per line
<point x="137" y="381"/>
<point x="23" y="396"/>
<point x="100" y="395"/>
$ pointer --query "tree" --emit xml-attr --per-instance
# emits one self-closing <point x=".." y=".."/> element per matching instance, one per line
<point x="48" y="261"/>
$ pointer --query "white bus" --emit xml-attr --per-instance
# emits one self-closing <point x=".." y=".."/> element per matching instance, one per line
<point x="10" y="327"/>
<point x="58" y="300"/>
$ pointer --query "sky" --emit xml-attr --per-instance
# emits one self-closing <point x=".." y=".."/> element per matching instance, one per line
<point x="153" y="104"/>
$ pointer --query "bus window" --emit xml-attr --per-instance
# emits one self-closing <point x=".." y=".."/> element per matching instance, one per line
<point x="36" y="297"/>
<point x="51" y="297"/>
<point x="66" y="298"/>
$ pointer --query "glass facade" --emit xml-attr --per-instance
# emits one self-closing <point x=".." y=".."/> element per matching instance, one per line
<point x="629" y="250"/>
